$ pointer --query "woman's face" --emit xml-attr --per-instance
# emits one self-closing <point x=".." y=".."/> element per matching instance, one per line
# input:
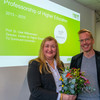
<point x="49" y="50"/>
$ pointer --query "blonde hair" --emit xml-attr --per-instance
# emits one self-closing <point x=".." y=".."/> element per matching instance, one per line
<point x="41" y="57"/>
<point x="85" y="30"/>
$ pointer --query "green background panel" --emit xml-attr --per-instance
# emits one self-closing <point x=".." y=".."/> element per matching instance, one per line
<point x="16" y="21"/>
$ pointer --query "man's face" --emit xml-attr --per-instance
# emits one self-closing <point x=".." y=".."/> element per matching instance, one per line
<point x="86" y="42"/>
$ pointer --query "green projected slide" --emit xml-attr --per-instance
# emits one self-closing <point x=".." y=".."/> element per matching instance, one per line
<point x="25" y="23"/>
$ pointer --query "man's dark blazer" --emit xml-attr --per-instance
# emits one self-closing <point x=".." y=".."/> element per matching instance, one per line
<point x="42" y="86"/>
<point x="77" y="60"/>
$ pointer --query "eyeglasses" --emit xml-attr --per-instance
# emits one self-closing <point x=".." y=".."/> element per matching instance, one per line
<point x="86" y="40"/>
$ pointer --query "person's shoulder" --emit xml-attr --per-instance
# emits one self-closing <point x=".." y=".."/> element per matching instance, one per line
<point x="33" y="64"/>
<point x="77" y="56"/>
<point x="62" y="64"/>
<point x="33" y="61"/>
<point x="97" y="52"/>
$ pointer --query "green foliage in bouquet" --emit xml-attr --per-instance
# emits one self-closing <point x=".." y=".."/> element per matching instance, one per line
<point x="74" y="82"/>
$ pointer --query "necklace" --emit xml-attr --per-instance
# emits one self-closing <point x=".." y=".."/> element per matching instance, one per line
<point x="52" y="64"/>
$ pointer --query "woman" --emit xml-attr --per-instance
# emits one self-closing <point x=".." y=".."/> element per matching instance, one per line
<point x="43" y="73"/>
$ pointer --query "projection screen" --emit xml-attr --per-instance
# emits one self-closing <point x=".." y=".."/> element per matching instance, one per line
<point x="25" y="23"/>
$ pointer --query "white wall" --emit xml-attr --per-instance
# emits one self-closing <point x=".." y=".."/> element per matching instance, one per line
<point x="13" y="80"/>
<point x="97" y="37"/>
<point x="13" y="83"/>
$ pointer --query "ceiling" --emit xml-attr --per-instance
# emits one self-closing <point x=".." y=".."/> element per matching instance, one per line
<point x="92" y="4"/>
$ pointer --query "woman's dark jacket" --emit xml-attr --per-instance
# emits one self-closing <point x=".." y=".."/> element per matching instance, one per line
<point x="42" y="86"/>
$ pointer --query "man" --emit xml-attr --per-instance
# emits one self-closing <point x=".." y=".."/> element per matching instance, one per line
<point x="89" y="62"/>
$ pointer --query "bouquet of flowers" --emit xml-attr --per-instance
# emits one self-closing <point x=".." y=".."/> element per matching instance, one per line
<point x="74" y="82"/>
